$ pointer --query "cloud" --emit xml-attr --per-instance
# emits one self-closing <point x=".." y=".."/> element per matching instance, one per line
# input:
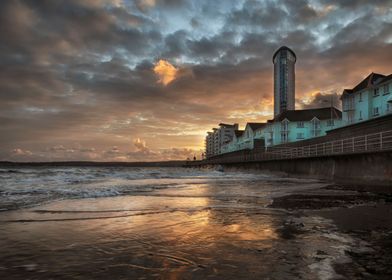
<point x="165" y="71"/>
<point x="320" y="100"/>
<point x="140" y="145"/>
<point x="21" y="152"/>
<point x="85" y="78"/>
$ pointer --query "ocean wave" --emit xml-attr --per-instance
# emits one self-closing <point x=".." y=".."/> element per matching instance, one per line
<point x="26" y="187"/>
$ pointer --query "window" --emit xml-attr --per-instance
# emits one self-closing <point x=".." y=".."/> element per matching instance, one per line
<point x="316" y="127"/>
<point x="389" y="107"/>
<point x="360" y="115"/>
<point x="376" y="92"/>
<point x="360" y="97"/>
<point x="300" y="135"/>
<point x="330" y="122"/>
<point x="375" y="111"/>
<point x="300" y="124"/>
<point x="386" y="89"/>
<point x="284" y="136"/>
<point x="316" y="124"/>
<point x="285" y="125"/>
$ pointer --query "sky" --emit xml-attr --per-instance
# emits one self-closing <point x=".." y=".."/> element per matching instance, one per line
<point x="143" y="80"/>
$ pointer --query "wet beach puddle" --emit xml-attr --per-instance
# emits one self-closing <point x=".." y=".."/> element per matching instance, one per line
<point x="216" y="229"/>
<point x="142" y="237"/>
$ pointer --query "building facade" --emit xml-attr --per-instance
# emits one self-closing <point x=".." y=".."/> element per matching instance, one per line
<point x="219" y="137"/>
<point x="245" y="139"/>
<point x="284" y="80"/>
<point x="297" y="125"/>
<point x="234" y="144"/>
<point x="371" y="98"/>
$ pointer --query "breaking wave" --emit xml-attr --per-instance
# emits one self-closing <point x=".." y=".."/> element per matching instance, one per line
<point x="24" y="187"/>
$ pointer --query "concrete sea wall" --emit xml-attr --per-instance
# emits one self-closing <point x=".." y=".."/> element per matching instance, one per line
<point x="363" y="169"/>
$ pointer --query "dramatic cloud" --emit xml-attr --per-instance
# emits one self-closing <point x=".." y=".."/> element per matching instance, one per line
<point x="165" y="71"/>
<point x="81" y="80"/>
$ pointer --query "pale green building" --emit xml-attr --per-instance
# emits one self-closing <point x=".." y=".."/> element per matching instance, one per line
<point x="245" y="139"/>
<point x="371" y="98"/>
<point x="297" y="125"/>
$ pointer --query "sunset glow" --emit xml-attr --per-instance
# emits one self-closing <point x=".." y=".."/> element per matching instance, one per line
<point x="165" y="71"/>
<point x="93" y="76"/>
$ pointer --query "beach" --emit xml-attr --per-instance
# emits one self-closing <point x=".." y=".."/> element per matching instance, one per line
<point x="177" y="223"/>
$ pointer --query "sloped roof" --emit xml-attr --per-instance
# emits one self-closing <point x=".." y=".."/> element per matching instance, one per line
<point x="255" y="126"/>
<point x="238" y="133"/>
<point x="226" y="125"/>
<point x="347" y="90"/>
<point x="309" y="114"/>
<point x="386" y="79"/>
<point x="370" y="80"/>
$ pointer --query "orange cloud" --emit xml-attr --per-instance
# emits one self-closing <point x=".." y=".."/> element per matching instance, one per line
<point x="165" y="71"/>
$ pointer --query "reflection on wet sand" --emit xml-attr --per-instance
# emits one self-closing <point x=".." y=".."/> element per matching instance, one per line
<point x="214" y="230"/>
<point x="173" y="243"/>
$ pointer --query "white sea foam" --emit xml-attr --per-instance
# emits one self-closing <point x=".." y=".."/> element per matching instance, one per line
<point x="27" y="186"/>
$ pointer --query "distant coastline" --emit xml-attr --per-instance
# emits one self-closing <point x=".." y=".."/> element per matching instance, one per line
<point x="173" y="163"/>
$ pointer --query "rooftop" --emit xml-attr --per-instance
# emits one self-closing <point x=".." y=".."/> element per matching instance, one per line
<point x="255" y="126"/>
<point x="284" y="48"/>
<point x="309" y="114"/>
<point x="227" y="125"/>
<point x="371" y="80"/>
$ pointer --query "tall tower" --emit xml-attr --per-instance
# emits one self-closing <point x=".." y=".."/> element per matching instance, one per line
<point x="284" y="80"/>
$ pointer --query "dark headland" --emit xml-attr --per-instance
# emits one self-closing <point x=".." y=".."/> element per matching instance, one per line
<point x="173" y="163"/>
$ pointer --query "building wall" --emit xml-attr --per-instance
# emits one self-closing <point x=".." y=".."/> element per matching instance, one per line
<point x="360" y="106"/>
<point x="292" y="131"/>
<point x="246" y="141"/>
<point x="215" y="142"/>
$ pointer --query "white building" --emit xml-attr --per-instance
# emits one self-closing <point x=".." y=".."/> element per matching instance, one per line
<point x="284" y="80"/>
<point x="234" y="144"/>
<point x="297" y="125"/>
<point x="218" y="138"/>
<point x="245" y="139"/>
<point x="371" y="98"/>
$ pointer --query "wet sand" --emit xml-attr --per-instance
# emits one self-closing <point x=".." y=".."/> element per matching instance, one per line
<point x="362" y="212"/>
<point x="202" y="231"/>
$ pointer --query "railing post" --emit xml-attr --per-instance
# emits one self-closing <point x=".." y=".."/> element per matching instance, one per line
<point x="353" y="145"/>
<point x="366" y="143"/>
<point x="380" y="140"/>
<point x="342" y="146"/>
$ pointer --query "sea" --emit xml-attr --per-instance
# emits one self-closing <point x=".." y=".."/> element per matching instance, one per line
<point x="159" y="223"/>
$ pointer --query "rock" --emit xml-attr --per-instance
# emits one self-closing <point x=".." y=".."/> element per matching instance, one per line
<point x="366" y="275"/>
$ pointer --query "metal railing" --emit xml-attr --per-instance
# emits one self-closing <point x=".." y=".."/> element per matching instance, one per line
<point x="381" y="141"/>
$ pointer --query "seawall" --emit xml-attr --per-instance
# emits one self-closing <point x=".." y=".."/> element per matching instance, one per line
<point x="361" y="169"/>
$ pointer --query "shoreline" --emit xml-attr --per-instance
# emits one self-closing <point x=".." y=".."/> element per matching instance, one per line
<point x="222" y="226"/>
